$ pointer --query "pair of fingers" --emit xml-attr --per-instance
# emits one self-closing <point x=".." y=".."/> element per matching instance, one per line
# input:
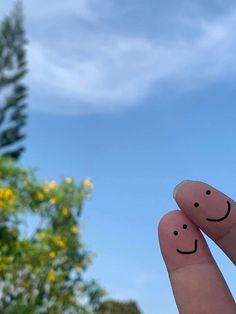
<point x="196" y="280"/>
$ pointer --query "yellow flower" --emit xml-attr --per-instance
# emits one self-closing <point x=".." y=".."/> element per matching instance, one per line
<point x="7" y="198"/>
<point x="39" y="196"/>
<point x="51" y="276"/>
<point x="5" y="193"/>
<point x="87" y="184"/>
<point x="65" y="211"/>
<point x="61" y="243"/>
<point x="52" y="185"/>
<point x="68" y="180"/>
<point x="52" y="254"/>
<point x="8" y="193"/>
<point x="74" y="229"/>
<point x="52" y="201"/>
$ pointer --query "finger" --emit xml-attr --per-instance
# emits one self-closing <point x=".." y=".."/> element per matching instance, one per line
<point x="210" y="210"/>
<point x="197" y="282"/>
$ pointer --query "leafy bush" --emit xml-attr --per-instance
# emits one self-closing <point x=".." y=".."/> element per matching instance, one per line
<point x="43" y="272"/>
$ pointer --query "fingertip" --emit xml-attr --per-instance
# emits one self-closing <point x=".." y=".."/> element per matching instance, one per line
<point x="178" y="186"/>
<point x="181" y="242"/>
<point x="207" y="207"/>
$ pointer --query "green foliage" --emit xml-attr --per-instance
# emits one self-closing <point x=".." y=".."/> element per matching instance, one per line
<point x="42" y="272"/>
<point x="114" y="307"/>
<point x="13" y="68"/>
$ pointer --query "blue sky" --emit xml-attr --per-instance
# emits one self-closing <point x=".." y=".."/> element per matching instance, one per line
<point x="138" y="96"/>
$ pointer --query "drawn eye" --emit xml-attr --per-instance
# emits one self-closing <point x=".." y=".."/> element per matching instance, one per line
<point x="175" y="233"/>
<point x="196" y="204"/>
<point x="208" y="192"/>
<point x="185" y="226"/>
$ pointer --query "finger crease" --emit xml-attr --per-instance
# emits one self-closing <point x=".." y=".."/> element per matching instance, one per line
<point x="190" y="265"/>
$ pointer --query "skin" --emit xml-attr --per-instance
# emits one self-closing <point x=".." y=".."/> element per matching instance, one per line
<point x="197" y="283"/>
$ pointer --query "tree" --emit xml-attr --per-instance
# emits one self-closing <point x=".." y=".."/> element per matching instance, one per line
<point x="40" y="273"/>
<point x="115" y="307"/>
<point x="13" y="68"/>
<point x="42" y="269"/>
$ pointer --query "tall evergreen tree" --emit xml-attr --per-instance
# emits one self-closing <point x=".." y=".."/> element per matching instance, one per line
<point x="13" y="92"/>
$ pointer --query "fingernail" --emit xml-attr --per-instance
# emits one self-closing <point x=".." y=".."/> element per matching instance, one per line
<point x="178" y="186"/>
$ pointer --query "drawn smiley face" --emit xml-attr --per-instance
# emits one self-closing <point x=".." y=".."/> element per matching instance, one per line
<point x="208" y="192"/>
<point x="181" y="241"/>
<point x="186" y="252"/>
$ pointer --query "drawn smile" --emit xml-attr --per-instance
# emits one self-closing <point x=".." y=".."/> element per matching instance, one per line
<point x="189" y="252"/>
<point x="225" y="216"/>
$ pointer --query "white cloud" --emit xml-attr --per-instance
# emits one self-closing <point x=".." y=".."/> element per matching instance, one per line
<point x="116" y="75"/>
<point x="103" y="70"/>
<point x="122" y="70"/>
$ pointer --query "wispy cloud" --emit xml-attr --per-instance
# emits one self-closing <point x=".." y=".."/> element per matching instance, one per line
<point x="99" y="69"/>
